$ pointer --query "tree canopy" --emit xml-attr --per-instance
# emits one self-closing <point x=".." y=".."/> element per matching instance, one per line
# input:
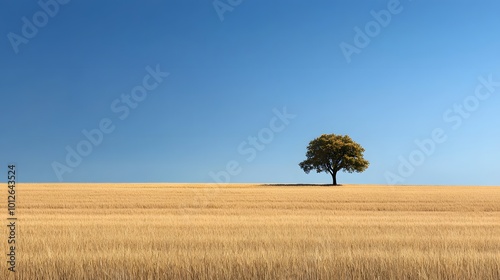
<point x="332" y="153"/>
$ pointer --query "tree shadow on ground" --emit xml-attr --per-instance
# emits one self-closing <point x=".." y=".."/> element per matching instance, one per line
<point x="300" y="185"/>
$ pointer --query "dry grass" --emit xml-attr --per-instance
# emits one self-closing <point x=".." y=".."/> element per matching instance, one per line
<point x="175" y="231"/>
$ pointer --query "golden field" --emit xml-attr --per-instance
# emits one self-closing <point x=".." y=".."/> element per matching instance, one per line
<point x="244" y="231"/>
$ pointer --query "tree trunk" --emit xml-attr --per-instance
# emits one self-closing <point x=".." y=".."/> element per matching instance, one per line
<point x="334" y="178"/>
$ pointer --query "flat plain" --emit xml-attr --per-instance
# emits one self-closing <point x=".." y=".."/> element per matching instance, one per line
<point x="250" y="231"/>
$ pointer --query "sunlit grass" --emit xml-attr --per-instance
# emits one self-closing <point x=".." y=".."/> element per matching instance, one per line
<point x="203" y="231"/>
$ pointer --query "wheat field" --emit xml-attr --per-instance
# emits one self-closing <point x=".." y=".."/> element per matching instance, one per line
<point x="245" y="231"/>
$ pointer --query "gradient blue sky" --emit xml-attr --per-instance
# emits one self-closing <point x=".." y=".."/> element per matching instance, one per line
<point x="226" y="77"/>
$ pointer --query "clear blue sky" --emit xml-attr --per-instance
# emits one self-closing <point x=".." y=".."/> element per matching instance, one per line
<point x="230" y="70"/>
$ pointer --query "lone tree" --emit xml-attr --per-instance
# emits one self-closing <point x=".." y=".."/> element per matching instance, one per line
<point x="332" y="153"/>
